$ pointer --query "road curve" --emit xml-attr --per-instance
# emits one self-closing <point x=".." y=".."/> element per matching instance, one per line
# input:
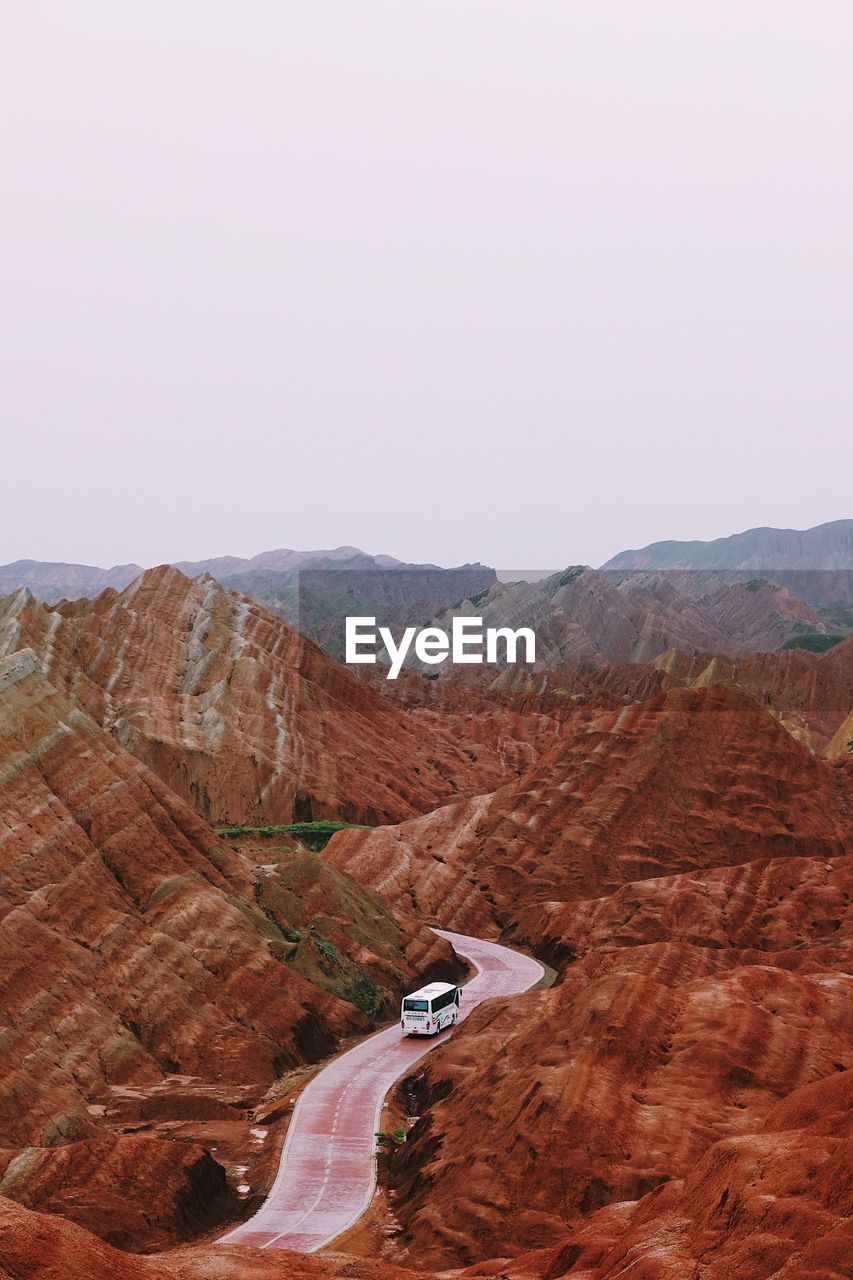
<point x="327" y="1174"/>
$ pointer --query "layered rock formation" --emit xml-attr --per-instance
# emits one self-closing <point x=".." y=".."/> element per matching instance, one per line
<point x="135" y="944"/>
<point x="600" y="617"/>
<point x="810" y="693"/>
<point x="685" y="864"/>
<point x="775" y="1202"/>
<point x="690" y="779"/>
<point x="660" y="832"/>
<point x="236" y="712"/>
<point x="40" y="1246"/>
<point x="612" y="1085"/>
<point x="814" y="565"/>
<point x="133" y="1192"/>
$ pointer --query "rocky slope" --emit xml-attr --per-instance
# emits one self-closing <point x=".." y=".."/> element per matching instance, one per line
<point x="841" y="746"/>
<point x="584" y="614"/>
<point x="772" y="1204"/>
<point x="236" y="712"/>
<point x="39" y="1246"/>
<point x="810" y="693"/>
<point x="686" y="865"/>
<point x="136" y="946"/>
<point x="134" y="1192"/>
<point x="691" y="778"/>
<point x="615" y="1083"/>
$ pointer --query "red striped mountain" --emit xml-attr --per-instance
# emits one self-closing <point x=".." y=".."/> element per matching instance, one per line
<point x="810" y="693"/>
<point x="685" y="864"/>
<point x="585" y="614"/>
<point x="239" y="714"/>
<point x="690" y="779"/>
<point x="135" y="944"/>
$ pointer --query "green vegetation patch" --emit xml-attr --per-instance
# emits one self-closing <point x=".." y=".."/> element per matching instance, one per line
<point x="814" y="641"/>
<point x="315" y="834"/>
<point x="365" y="994"/>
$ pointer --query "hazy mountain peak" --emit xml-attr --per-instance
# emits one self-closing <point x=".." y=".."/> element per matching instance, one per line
<point x="826" y="546"/>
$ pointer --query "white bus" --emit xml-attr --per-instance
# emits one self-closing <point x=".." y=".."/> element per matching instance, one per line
<point x="430" y="1010"/>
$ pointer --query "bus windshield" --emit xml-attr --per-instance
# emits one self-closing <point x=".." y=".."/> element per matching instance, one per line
<point x="416" y="1006"/>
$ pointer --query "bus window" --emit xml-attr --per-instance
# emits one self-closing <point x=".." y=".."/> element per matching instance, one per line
<point x="416" y="1006"/>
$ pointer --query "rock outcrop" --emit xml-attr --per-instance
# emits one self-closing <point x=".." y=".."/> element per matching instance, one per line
<point x="135" y="944"/>
<point x="41" y="1246"/>
<point x="689" y="780"/>
<point x="773" y="1204"/>
<point x="610" y="1086"/>
<point x="134" y="1192"/>
<point x="618" y="616"/>
<point x="236" y="712"/>
<point x="685" y="864"/>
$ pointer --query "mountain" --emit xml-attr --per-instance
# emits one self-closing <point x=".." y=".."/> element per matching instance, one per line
<point x="238" y="713"/>
<point x="265" y="572"/>
<point x="814" y="565"/>
<point x="136" y="944"/>
<point x="281" y="560"/>
<point x="685" y="865"/>
<point x="317" y="597"/>
<point x="52" y="581"/>
<point x="774" y="1201"/>
<point x="312" y="590"/>
<point x="826" y="546"/>
<point x="688" y="779"/>
<point x="41" y="1246"/>
<point x="680" y="1106"/>
<point x="584" y="614"/>
<point x="56" y="581"/>
<point x="157" y="982"/>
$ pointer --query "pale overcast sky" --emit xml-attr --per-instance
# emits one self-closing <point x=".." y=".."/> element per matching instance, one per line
<point x="525" y="283"/>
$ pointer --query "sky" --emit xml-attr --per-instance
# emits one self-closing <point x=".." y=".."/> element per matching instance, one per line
<point x="520" y="283"/>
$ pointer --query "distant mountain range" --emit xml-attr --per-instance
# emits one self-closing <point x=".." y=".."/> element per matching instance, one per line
<point x="815" y="565"/>
<point x="312" y="590"/>
<point x="755" y="591"/>
<point x="54" y="580"/>
<point x="589" y="615"/>
<point x="826" y="546"/>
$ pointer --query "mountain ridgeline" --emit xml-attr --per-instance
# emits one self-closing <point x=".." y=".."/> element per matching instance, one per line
<point x="660" y="809"/>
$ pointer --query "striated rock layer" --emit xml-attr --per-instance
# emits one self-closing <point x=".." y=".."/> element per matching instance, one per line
<point x="236" y="712"/>
<point x="690" y="779"/>
<point x="613" y="1084"/>
<point x="685" y="863"/>
<point x="133" y="1192"/>
<point x="773" y="1204"/>
<point x="134" y="944"/>
<point x="39" y="1246"/>
<point x="635" y="616"/>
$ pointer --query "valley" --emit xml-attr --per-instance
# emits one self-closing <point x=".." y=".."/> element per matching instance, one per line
<point x="224" y="857"/>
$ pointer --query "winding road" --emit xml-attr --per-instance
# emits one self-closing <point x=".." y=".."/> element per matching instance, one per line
<point x="327" y="1174"/>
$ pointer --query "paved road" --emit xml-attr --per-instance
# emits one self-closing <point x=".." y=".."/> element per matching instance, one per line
<point x="327" y="1173"/>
